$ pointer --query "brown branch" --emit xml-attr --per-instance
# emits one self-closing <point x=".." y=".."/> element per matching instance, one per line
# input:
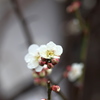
<point x="60" y="93"/>
<point x="49" y="90"/>
<point x="23" y="21"/>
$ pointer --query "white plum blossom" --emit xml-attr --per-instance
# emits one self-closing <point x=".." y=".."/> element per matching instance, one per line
<point x="75" y="72"/>
<point x="32" y="58"/>
<point x="51" y="50"/>
<point x="44" y="56"/>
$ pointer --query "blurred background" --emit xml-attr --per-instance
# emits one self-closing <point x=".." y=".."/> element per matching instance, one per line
<point x="24" y="22"/>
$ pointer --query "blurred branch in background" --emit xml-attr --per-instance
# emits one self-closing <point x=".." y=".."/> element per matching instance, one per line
<point x="2" y="23"/>
<point x="16" y="7"/>
<point x="9" y="10"/>
<point x="90" y="49"/>
<point x="74" y="8"/>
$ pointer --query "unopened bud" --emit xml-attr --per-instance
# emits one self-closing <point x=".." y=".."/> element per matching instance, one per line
<point x="42" y="62"/>
<point x="35" y="75"/>
<point x="55" y="88"/>
<point x="43" y="99"/>
<point x="76" y="5"/>
<point x="68" y="68"/>
<point x="65" y="74"/>
<point x="37" y="80"/>
<point x="43" y="81"/>
<point x="49" y="71"/>
<point x="43" y="59"/>
<point x="50" y="65"/>
<point x="55" y="61"/>
<point x="42" y="73"/>
<point x="69" y="9"/>
<point x="73" y="7"/>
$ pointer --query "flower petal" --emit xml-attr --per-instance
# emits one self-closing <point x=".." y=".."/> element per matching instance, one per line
<point x="39" y="68"/>
<point x="35" y="63"/>
<point x="31" y="66"/>
<point x="81" y="65"/>
<point x="59" y="50"/>
<point x="45" y="66"/>
<point x="71" y="77"/>
<point x="42" y="50"/>
<point x="51" y="45"/>
<point x="33" y="49"/>
<point x="28" y="58"/>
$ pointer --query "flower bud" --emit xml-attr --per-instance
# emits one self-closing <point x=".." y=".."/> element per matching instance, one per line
<point x="50" y="65"/>
<point x="73" y="7"/>
<point x="65" y="74"/>
<point x="68" y="68"/>
<point x="43" y="82"/>
<point x="35" y="75"/>
<point x="76" y="5"/>
<point x="49" y="71"/>
<point x="55" y="61"/>
<point x="43" y="99"/>
<point x="43" y="59"/>
<point x="69" y="9"/>
<point x="55" y="88"/>
<point x="37" y="80"/>
<point x="42" y="62"/>
<point x="42" y="74"/>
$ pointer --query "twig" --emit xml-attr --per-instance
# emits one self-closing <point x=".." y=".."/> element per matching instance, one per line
<point x="60" y="79"/>
<point x="49" y="90"/>
<point x="23" y="21"/>
<point x="60" y="93"/>
<point x="86" y="34"/>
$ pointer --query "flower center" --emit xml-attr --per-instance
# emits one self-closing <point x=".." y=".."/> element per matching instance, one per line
<point x="37" y="57"/>
<point x="75" y="71"/>
<point x="50" y="53"/>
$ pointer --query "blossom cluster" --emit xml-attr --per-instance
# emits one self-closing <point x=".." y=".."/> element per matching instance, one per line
<point x="74" y="71"/>
<point x="44" y="56"/>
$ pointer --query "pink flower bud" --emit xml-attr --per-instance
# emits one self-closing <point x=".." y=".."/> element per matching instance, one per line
<point x="35" y="75"/>
<point x="55" y="61"/>
<point x="76" y="5"/>
<point x="48" y="71"/>
<point x="73" y="7"/>
<point x="43" y="82"/>
<point x="37" y="80"/>
<point x="50" y="65"/>
<point x="42" y="74"/>
<point x="43" y="59"/>
<point x="65" y="74"/>
<point x="69" y="9"/>
<point x="42" y="62"/>
<point x="68" y="68"/>
<point x="55" y="88"/>
<point x="43" y="99"/>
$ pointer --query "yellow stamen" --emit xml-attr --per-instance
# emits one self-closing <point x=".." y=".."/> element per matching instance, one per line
<point x="50" y="53"/>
